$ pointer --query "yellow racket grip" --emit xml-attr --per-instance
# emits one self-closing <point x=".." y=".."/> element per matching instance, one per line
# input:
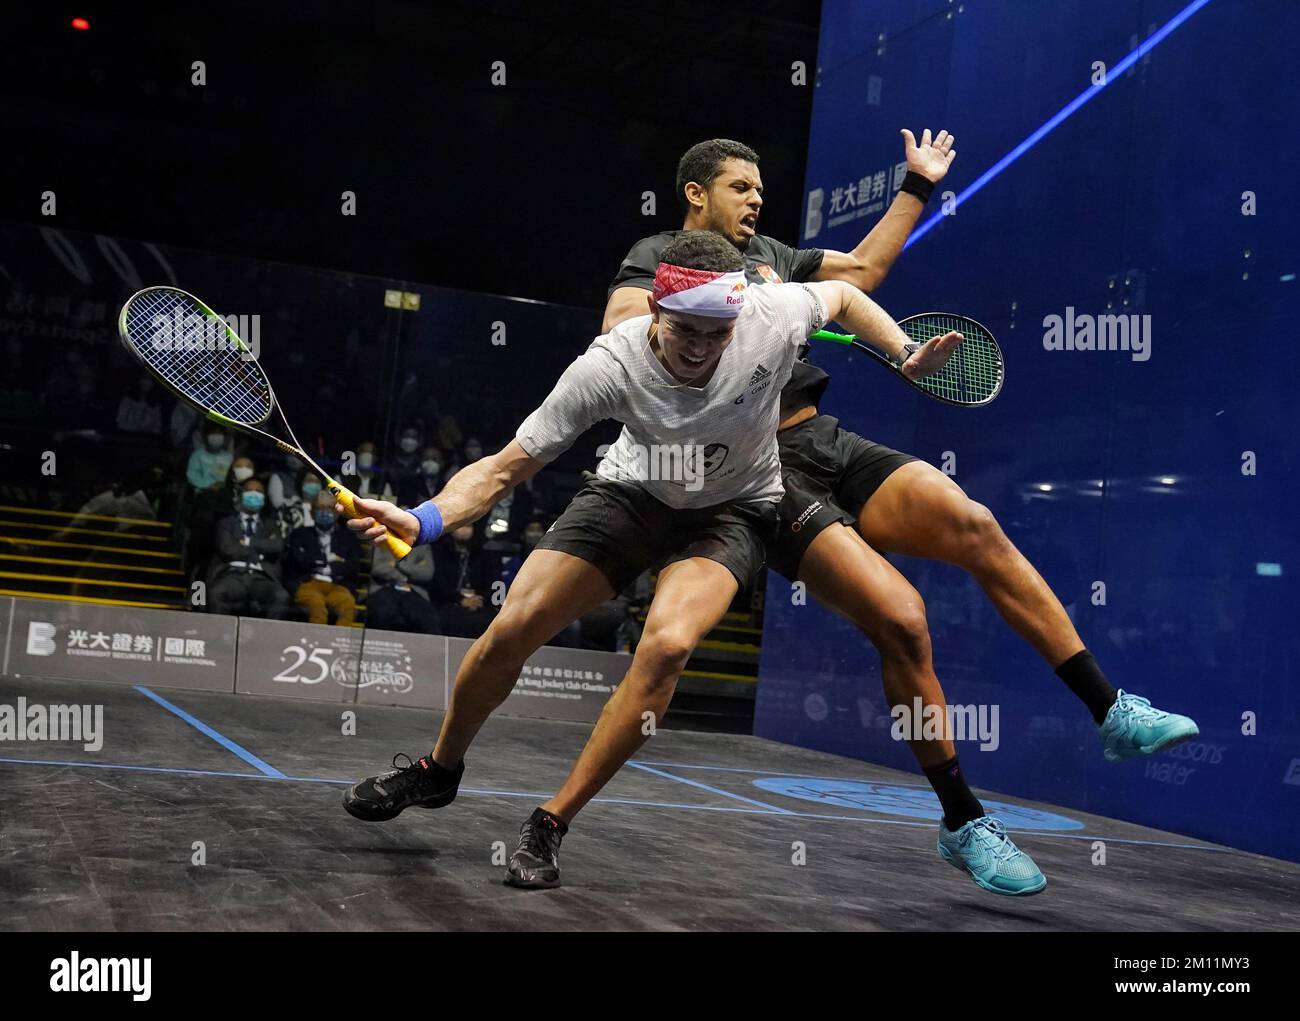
<point x="396" y="546"/>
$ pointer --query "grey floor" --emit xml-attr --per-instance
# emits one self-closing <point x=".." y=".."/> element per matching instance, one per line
<point x="683" y="841"/>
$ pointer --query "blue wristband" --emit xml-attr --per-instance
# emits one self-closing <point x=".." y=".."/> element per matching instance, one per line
<point x="430" y="519"/>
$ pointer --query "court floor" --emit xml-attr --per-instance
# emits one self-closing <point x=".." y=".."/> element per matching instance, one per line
<point x="700" y="832"/>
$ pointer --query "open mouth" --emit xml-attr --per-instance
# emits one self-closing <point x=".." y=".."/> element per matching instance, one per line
<point x="748" y="225"/>
<point x="693" y="363"/>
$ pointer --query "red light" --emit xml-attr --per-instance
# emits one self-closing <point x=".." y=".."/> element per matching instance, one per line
<point x="81" y="24"/>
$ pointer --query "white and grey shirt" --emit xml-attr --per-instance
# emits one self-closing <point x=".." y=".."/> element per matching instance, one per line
<point x="687" y="446"/>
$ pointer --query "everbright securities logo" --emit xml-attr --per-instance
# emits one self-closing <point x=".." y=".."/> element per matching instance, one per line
<point x="42" y="640"/>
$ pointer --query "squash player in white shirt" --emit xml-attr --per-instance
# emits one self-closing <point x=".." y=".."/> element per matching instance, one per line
<point x="691" y="486"/>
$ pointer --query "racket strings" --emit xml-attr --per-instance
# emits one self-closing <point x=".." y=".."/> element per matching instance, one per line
<point x="974" y="372"/>
<point x="208" y="369"/>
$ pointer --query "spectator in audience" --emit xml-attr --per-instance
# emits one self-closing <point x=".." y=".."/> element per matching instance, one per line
<point x="297" y="512"/>
<point x="241" y="470"/>
<point x="425" y="485"/>
<point x="140" y="410"/>
<point x="399" y="597"/>
<point x="462" y="584"/>
<point x="282" y="483"/>
<point x="368" y="480"/>
<point x="245" y="580"/>
<point x="207" y="467"/>
<point x="405" y="467"/>
<point x="206" y="473"/>
<point x="323" y="561"/>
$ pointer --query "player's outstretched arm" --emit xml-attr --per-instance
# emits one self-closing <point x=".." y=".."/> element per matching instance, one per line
<point x="847" y="305"/>
<point x="867" y="265"/>
<point x="471" y="493"/>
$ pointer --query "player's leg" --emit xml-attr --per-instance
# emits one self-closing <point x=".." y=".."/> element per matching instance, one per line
<point x="845" y="574"/>
<point x="919" y="511"/>
<point x="707" y="554"/>
<point x="691" y="596"/>
<point x="690" y="599"/>
<point x="551" y="590"/>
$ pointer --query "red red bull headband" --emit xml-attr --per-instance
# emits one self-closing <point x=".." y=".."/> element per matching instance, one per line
<point x="699" y="292"/>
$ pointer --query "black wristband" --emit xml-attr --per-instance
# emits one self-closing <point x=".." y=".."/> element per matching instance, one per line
<point x="915" y="184"/>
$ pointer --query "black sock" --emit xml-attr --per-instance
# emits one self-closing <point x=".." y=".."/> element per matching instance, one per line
<point x="1082" y="676"/>
<point x="960" y="806"/>
<point x="549" y="819"/>
<point x="442" y="773"/>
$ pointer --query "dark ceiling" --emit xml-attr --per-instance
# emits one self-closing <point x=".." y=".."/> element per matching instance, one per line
<point x="532" y="188"/>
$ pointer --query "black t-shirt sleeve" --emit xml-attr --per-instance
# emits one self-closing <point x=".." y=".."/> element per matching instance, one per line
<point x="796" y="265"/>
<point x="638" y="268"/>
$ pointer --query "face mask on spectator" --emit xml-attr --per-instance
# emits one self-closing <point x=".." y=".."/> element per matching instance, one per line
<point x="243" y="473"/>
<point x="252" y="500"/>
<point x="430" y="467"/>
<point x="216" y="441"/>
<point x="409" y="444"/>
<point x="309" y="490"/>
<point x="365" y="459"/>
<point x="325" y="519"/>
<point x="473" y="451"/>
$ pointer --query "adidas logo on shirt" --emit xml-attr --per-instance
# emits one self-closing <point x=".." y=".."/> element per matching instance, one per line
<point x="758" y="382"/>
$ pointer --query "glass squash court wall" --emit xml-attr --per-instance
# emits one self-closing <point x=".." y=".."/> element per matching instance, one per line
<point x="1157" y="494"/>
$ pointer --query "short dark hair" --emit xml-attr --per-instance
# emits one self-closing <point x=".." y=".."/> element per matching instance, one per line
<point x="703" y="249"/>
<point x="702" y="163"/>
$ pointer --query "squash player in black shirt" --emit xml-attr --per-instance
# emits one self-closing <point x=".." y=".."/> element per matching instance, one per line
<point x="848" y="497"/>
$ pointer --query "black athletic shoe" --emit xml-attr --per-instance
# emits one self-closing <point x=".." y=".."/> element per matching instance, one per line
<point x="535" y="864"/>
<point x="421" y="784"/>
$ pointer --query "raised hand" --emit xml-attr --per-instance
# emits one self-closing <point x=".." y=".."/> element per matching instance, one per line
<point x="929" y="159"/>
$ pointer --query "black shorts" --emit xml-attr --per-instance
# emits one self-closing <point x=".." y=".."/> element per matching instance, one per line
<point x="622" y="530"/>
<point x="829" y="475"/>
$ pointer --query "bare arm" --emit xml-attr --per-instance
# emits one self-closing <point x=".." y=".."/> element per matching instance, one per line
<point x="845" y="304"/>
<point x="471" y="493"/>
<point x="476" y="488"/>
<point x="867" y="265"/>
<point x="625" y="303"/>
